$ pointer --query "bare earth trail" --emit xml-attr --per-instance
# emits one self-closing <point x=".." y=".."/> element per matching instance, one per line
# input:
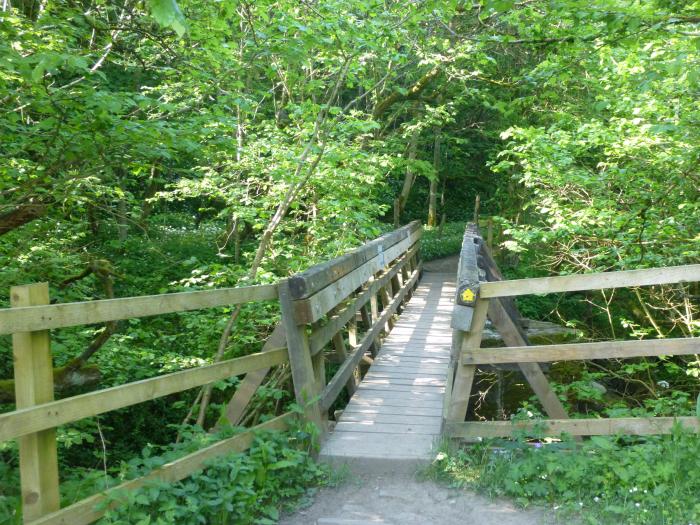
<point x="400" y="499"/>
<point x="382" y="487"/>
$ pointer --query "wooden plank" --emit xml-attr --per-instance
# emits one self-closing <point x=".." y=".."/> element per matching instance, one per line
<point x="55" y="413"/>
<point x="318" y="277"/>
<point x="303" y="375"/>
<point x="33" y="372"/>
<point x="411" y="369"/>
<point x="389" y="395"/>
<point x="464" y="374"/>
<point x="468" y="270"/>
<point x="341" y="353"/>
<point x="93" y="508"/>
<point x="379" y="417"/>
<point x="580" y="351"/>
<point x="423" y="391"/>
<point x="385" y="294"/>
<point x="335" y="385"/>
<point x="320" y="337"/>
<point x="377" y="401"/>
<point x="575" y="427"/>
<point x="316" y="306"/>
<point x="372" y="411"/>
<point x="404" y="377"/>
<point x="418" y="381"/>
<point x="592" y="281"/>
<point x="369" y="445"/>
<point x="89" y="312"/>
<point x="237" y="405"/>
<point x="411" y="359"/>
<point x="388" y="428"/>
<point x="367" y="323"/>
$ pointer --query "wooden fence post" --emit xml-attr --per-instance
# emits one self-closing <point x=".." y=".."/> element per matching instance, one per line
<point x="303" y="375"/>
<point x="33" y="372"/>
<point x="464" y="374"/>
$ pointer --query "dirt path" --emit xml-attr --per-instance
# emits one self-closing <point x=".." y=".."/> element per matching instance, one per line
<point x="393" y="497"/>
<point x="402" y="500"/>
<point x="445" y="265"/>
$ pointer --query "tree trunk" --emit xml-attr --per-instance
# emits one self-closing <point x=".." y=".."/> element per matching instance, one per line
<point x="410" y="176"/>
<point x="432" y="203"/>
<point x="21" y="215"/>
<point x="122" y="225"/>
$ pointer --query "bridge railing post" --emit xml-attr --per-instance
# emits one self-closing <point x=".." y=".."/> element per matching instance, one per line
<point x="33" y="372"/>
<point x="304" y="377"/>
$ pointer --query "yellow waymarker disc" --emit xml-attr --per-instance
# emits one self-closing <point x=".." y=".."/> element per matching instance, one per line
<point x="468" y="295"/>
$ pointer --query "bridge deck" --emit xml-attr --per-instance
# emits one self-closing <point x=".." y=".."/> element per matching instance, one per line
<point x="396" y="411"/>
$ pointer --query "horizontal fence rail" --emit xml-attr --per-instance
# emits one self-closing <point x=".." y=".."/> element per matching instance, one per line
<point x="573" y="427"/>
<point x="591" y="281"/>
<point x="318" y="277"/>
<point x="578" y="351"/>
<point x="495" y="296"/>
<point x="315" y="306"/>
<point x="56" y="413"/>
<point x="31" y="318"/>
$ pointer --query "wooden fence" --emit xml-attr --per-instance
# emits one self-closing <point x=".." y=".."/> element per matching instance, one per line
<point x="327" y="298"/>
<point x="321" y="306"/>
<point x="482" y="293"/>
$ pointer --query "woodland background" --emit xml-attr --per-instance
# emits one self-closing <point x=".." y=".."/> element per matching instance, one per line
<point x="151" y="147"/>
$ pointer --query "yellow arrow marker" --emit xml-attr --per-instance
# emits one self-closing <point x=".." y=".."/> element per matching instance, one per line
<point x="468" y="296"/>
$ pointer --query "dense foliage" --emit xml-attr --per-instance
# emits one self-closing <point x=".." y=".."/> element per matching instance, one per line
<point x="156" y="146"/>
<point x="606" y="480"/>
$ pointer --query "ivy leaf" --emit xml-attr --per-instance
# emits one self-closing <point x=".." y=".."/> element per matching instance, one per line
<point x="168" y="14"/>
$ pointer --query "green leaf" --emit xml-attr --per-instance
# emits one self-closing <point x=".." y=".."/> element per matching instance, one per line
<point x="602" y="442"/>
<point x="167" y="13"/>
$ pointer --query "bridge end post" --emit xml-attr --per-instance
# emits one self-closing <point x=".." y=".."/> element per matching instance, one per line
<point x="304" y="377"/>
<point x="33" y="371"/>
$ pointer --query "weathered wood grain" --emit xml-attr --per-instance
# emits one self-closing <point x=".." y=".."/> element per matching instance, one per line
<point x="33" y="371"/>
<point x="321" y="336"/>
<point x="89" y="312"/>
<point x="396" y="410"/>
<point x="314" y="307"/>
<point x="575" y="427"/>
<point x="318" y="277"/>
<point x="580" y="351"/>
<point x="300" y="359"/>
<point x="592" y="281"/>
<point x="464" y="374"/>
<point x="55" y="413"/>
<point x="334" y="386"/>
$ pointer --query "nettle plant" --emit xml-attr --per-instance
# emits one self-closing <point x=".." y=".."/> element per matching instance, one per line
<point x="245" y="488"/>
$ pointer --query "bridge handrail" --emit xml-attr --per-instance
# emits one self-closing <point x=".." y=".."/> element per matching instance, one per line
<point x="495" y="296"/>
<point x="327" y="297"/>
<point x="44" y="317"/>
<point x="592" y="281"/>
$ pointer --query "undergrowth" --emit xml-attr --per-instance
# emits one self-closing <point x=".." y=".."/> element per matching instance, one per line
<point x="652" y="480"/>
<point x="439" y="242"/>
<point x="275" y="474"/>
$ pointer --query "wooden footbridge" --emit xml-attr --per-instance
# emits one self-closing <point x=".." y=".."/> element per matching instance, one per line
<point x="365" y="327"/>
